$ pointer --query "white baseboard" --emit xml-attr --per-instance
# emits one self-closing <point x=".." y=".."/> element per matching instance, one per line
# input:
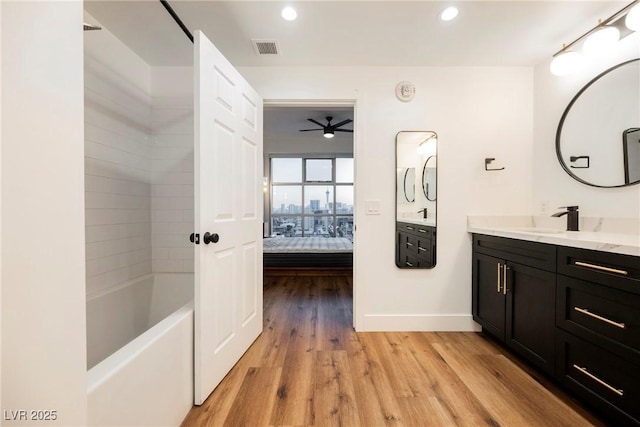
<point x="419" y="322"/>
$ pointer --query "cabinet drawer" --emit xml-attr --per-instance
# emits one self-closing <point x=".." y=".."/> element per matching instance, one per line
<point x="606" y="316"/>
<point x="533" y="254"/>
<point x="614" y="270"/>
<point x="418" y="230"/>
<point x="601" y="378"/>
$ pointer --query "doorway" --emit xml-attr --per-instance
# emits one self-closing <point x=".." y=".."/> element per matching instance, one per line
<point x="309" y="188"/>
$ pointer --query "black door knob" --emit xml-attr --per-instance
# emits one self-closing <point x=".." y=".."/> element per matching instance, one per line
<point x="195" y="238"/>
<point x="210" y="238"/>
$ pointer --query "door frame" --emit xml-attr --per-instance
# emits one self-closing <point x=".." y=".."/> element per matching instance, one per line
<point x="356" y="103"/>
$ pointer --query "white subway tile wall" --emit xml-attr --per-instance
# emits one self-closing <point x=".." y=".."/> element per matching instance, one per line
<point x="172" y="185"/>
<point x="138" y="181"/>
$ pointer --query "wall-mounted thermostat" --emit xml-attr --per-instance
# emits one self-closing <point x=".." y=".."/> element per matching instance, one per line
<point x="405" y="91"/>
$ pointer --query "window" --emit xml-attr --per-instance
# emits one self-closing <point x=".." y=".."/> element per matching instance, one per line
<point x="312" y="197"/>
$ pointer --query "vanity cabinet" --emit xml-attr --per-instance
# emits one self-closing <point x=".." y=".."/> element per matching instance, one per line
<point x="415" y="245"/>
<point x="598" y="335"/>
<point x="514" y="287"/>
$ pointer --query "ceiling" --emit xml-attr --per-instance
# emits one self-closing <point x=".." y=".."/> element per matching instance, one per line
<point x="355" y="33"/>
<point x="286" y="122"/>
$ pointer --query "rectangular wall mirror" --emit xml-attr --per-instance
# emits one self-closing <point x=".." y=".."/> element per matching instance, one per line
<point x="416" y="195"/>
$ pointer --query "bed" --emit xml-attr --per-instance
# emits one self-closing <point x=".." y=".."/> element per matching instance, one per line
<point x="308" y="252"/>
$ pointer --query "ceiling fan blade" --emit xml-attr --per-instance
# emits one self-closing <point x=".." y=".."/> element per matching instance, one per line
<point x="316" y="122"/>
<point x="309" y="130"/>
<point x="343" y="130"/>
<point x="342" y="123"/>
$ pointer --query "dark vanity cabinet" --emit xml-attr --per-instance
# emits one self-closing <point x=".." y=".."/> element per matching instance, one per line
<point x="415" y="245"/>
<point x="598" y="335"/>
<point x="573" y="313"/>
<point x="514" y="285"/>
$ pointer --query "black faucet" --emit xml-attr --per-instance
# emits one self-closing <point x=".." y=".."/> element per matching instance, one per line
<point x="572" y="217"/>
<point x="424" y="212"/>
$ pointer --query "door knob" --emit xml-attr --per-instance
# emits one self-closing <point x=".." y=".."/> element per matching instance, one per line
<point x="195" y="238"/>
<point x="210" y="238"/>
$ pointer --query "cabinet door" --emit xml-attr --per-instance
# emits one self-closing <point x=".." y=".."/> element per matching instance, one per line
<point x="488" y="299"/>
<point x="530" y="320"/>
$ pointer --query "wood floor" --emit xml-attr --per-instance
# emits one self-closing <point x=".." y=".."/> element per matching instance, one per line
<point x="309" y="368"/>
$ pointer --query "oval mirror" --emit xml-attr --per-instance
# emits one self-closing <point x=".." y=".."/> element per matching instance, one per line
<point x="429" y="178"/>
<point x="598" y="138"/>
<point x="416" y="235"/>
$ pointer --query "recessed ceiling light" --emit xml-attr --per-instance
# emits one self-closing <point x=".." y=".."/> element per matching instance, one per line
<point x="289" y="13"/>
<point x="449" y="13"/>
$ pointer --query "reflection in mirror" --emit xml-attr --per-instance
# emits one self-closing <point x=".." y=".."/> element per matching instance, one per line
<point x="598" y="142"/>
<point x="409" y="185"/>
<point x="429" y="179"/>
<point x="416" y="210"/>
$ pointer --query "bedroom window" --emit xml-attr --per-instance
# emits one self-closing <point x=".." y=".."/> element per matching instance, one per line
<point x="312" y="196"/>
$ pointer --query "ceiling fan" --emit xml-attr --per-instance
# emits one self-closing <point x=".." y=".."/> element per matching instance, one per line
<point x="329" y="129"/>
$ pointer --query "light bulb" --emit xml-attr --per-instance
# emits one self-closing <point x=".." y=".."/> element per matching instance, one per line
<point x="289" y="13"/>
<point x="632" y="21"/>
<point x="329" y="135"/>
<point x="601" y="41"/>
<point x="449" y="13"/>
<point x="565" y="63"/>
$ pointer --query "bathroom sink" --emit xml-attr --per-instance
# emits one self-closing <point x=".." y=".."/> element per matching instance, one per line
<point x="539" y="230"/>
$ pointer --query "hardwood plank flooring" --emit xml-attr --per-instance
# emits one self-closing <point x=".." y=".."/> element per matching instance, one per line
<point x="309" y="368"/>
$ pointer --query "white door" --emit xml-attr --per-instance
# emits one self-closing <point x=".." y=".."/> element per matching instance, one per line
<point x="228" y="205"/>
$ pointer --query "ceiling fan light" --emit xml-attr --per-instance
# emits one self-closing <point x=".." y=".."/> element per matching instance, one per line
<point x="565" y="63"/>
<point x="328" y="134"/>
<point x="601" y="40"/>
<point x="632" y="21"/>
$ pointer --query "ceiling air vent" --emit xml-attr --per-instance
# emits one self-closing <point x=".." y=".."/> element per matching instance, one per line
<point x="265" y="47"/>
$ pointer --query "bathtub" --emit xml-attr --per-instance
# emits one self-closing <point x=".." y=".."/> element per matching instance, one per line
<point x="140" y="352"/>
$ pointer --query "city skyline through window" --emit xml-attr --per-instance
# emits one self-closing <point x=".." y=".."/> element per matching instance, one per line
<point x="311" y="197"/>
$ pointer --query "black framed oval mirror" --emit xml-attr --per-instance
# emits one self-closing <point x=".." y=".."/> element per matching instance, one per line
<point x="416" y="207"/>
<point x="409" y="185"/>
<point x="429" y="175"/>
<point x="598" y="137"/>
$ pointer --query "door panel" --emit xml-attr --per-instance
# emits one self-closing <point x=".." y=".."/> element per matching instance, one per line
<point x="530" y="318"/>
<point x="228" y="198"/>
<point x="489" y="301"/>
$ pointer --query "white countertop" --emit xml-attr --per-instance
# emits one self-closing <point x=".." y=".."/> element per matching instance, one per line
<point x="419" y="221"/>
<point x="616" y="235"/>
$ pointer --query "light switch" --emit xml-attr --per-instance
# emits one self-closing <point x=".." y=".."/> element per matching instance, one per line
<point x="373" y="207"/>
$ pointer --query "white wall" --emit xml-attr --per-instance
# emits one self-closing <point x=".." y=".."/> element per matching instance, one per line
<point x="43" y="274"/>
<point x="117" y="164"/>
<point x="477" y="112"/>
<point x="552" y="186"/>
<point x="172" y="165"/>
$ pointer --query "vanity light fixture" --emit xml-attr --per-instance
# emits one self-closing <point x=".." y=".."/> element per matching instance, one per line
<point x="632" y="20"/>
<point x="600" y="38"/>
<point x="289" y="13"/>
<point x="428" y="146"/>
<point x="449" y="13"/>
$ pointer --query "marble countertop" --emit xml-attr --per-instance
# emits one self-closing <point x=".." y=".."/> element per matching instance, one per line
<point x="616" y="235"/>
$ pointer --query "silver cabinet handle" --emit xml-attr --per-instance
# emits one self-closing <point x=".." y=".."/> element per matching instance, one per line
<point x="504" y="280"/>
<point x="409" y="228"/>
<point x="421" y="230"/>
<point x="420" y="248"/>
<point x="601" y="268"/>
<point x="498" y="276"/>
<point x="619" y="392"/>
<point x="595" y="316"/>
<point x="409" y="264"/>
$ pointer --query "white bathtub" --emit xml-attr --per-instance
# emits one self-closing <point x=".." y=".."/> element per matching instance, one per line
<point x="140" y="352"/>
